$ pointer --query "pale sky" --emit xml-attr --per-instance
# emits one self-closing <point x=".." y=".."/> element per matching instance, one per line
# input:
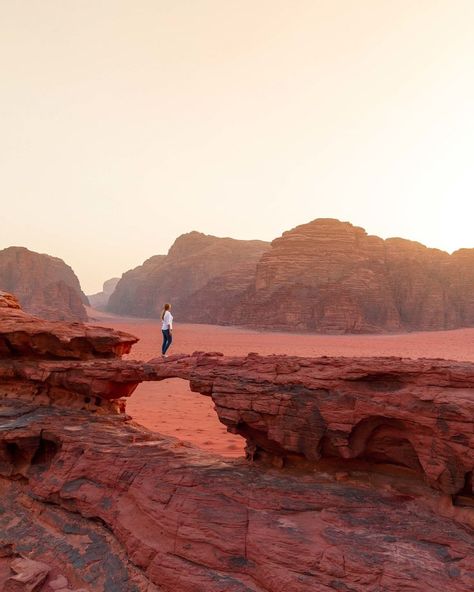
<point x="125" y="123"/>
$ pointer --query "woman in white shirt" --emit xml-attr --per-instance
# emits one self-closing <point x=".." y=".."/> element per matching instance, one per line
<point x="166" y="328"/>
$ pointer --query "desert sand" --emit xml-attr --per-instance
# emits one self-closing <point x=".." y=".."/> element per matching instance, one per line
<point x="169" y="407"/>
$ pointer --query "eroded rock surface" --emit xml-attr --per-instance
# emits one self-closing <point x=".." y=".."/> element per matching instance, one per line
<point x="192" y="261"/>
<point x="25" y="336"/>
<point x="44" y="285"/>
<point x="358" y="477"/>
<point x="187" y="521"/>
<point x="332" y="277"/>
<point x="344" y="412"/>
<point x="326" y="276"/>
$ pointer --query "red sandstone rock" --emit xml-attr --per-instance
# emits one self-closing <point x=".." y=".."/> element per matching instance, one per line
<point x="44" y="285"/>
<point x="331" y="277"/>
<point x="215" y="302"/>
<point x="21" y="334"/>
<point x="461" y="279"/>
<point x="29" y="576"/>
<point x="326" y="276"/>
<point x="408" y="415"/>
<point x="8" y="301"/>
<point x="421" y="289"/>
<point x="188" y="522"/>
<point x="61" y="584"/>
<point x="192" y="261"/>
<point x="414" y="414"/>
<point x="371" y="487"/>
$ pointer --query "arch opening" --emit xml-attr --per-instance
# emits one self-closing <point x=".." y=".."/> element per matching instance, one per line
<point x="169" y="407"/>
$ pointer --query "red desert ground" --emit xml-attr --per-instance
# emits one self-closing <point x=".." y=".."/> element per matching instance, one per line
<point x="169" y="406"/>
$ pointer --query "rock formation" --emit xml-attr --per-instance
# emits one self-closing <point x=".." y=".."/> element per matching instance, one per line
<point x="461" y="281"/>
<point x="216" y="301"/>
<point x="326" y="276"/>
<point x="44" y="285"/>
<point x="358" y="477"/>
<point x="331" y="277"/>
<point x="193" y="260"/>
<point x="101" y="299"/>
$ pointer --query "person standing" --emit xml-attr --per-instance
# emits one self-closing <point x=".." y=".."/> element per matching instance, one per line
<point x="166" y="328"/>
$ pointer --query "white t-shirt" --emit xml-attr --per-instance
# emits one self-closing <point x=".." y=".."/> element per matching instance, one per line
<point x="167" y="320"/>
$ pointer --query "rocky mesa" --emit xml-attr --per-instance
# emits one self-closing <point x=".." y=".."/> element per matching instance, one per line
<point x="44" y="285"/>
<point x="326" y="276"/>
<point x="194" y="260"/>
<point x="332" y="277"/>
<point x="358" y="474"/>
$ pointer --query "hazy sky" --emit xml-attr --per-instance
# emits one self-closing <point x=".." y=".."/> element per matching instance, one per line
<point x="124" y="123"/>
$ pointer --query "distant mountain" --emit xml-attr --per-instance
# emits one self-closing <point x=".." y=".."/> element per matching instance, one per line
<point x="101" y="299"/>
<point x="44" y="285"/>
<point x="193" y="260"/>
<point x="326" y="276"/>
<point x="331" y="277"/>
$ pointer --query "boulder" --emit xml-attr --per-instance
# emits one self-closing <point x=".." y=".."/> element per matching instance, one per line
<point x="29" y="575"/>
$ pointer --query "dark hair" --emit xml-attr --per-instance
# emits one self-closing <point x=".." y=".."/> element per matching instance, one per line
<point x="165" y="308"/>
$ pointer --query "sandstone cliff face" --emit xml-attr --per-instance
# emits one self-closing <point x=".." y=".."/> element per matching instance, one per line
<point x="331" y="277"/>
<point x="101" y="299"/>
<point x="322" y="276"/>
<point x="420" y="286"/>
<point x="359" y="471"/>
<point x="461" y="280"/>
<point x="192" y="261"/>
<point x="216" y="301"/>
<point x="326" y="276"/>
<point x="44" y="285"/>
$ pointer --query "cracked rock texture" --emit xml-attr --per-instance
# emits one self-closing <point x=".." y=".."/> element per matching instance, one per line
<point x="23" y="336"/>
<point x="358" y="476"/>
<point x="331" y="277"/>
<point x="125" y="509"/>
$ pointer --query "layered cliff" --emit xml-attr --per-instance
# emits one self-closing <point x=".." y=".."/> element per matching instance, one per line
<point x="44" y="285"/>
<point x="115" y="508"/>
<point x="326" y="276"/>
<point x="461" y="280"/>
<point x="359" y="471"/>
<point x="193" y="260"/>
<point x="331" y="277"/>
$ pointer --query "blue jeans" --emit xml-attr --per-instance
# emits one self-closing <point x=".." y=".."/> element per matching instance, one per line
<point x="167" y="339"/>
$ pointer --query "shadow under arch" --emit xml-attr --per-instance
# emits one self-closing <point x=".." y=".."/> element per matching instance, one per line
<point x="383" y="440"/>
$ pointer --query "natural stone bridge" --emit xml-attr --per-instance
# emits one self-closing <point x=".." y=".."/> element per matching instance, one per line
<point x="376" y="491"/>
<point x="332" y="413"/>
